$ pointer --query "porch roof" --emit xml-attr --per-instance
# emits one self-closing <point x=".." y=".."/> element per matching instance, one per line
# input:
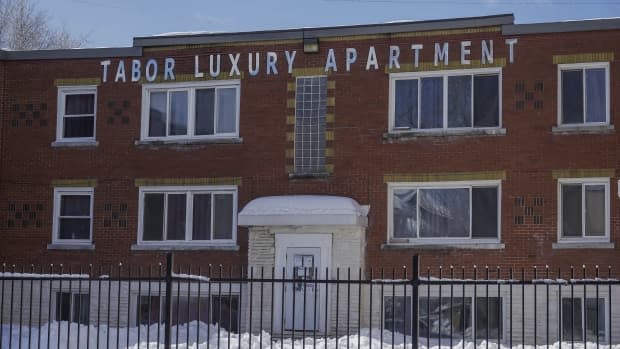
<point x="303" y="210"/>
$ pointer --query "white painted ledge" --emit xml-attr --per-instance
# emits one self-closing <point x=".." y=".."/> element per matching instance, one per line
<point x="461" y="246"/>
<point x="396" y="135"/>
<point x="76" y="144"/>
<point x="171" y="247"/>
<point x="61" y="246"/>
<point x="582" y="129"/>
<point x="582" y="245"/>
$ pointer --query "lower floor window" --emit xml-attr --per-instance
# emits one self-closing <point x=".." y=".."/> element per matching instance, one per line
<point x="444" y="318"/>
<point x="215" y="309"/>
<point x="72" y="307"/>
<point x="578" y="317"/>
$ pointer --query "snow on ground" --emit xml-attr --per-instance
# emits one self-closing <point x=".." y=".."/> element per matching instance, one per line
<point x="208" y="338"/>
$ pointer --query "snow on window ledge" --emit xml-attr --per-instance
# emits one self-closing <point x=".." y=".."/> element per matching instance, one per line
<point x="65" y="143"/>
<point x="473" y="245"/>
<point x="184" y="247"/>
<point x="188" y="141"/>
<point x="582" y="244"/>
<point x="397" y="134"/>
<point x="583" y="129"/>
<point x="70" y="246"/>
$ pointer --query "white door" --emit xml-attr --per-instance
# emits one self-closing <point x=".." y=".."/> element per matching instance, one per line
<point x="302" y="295"/>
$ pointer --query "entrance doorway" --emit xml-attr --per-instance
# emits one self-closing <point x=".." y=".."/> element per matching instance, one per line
<point x="302" y="296"/>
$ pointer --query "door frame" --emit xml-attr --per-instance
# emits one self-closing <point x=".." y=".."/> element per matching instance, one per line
<point x="316" y="240"/>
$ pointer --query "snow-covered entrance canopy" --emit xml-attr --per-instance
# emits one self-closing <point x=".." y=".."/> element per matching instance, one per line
<point x="303" y="210"/>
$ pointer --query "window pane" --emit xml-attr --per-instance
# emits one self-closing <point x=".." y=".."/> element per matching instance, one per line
<point x="591" y="319"/>
<point x="175" y="228"/>
<point x="488" y="316"/>
<point x="63" y="306"/>
<point x="74" y="228"/>
<point x="79" y="126"/>
<point x="223" y="215"/>
<point x="431" y="103"/>
<point x="157" y="114"/>
<point x="226" y="312"/>
<point x="178" y="113"/>
<point x="148" y="310"/>
<point x="75" y="205"/>
<point x="405" y="213"/>
<point x="185" y="310"/>
<point x="406" y="103"/>
<point x="571" y="306"/>
<point x="572" y="96"/>
<point x="595" y="210"/>
<point x="226" y="110"/>
<point x="81" y="308"/>
<point x="486" y="100"/>
<point x="153" y="224"/>
<point x="458" y="317"/>
<point x="571" y="210"/>
<point x="205" y="109"/>
<point x="596" y="106"/>
<point x="484" y="212"/>
<point x="444" y="212"/>
<point x="459" y="101"/>
<point x="80" y="104"/>
<point x="202" y="217"/>
<point x="397" y="314"/>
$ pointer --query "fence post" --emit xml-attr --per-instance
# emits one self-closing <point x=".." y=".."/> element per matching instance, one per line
<point x="168" y="305"/>
<point x="415" y="283"/>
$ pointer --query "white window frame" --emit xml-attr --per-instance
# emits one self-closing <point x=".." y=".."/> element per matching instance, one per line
<point x="583" y="182"/>
<point x="583" y="67"/>
<point x="190" y="191"/>
<point x="63" y="91"/>
<point x="444" y="74"/>
<point x="392" y="186"/>
<point x="605" y="338"/>
<point x="58" y="193"/>
<point x="191" y="88"/>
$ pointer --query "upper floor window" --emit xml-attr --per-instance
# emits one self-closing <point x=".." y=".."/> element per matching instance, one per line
<point x="190" y="110"/>
<point x="584" y="209"/>
<point x="584" y="94"/>
<point x="73" y="215"/>
<point x="444" y="211"/>
<point x="188" y="215"/>
<point x="77" y="106"/>
<point x="445" y="100"/>
<point x="310" y="119"/>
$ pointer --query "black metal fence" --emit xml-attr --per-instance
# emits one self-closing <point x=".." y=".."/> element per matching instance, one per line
<point x="168" y="306"/>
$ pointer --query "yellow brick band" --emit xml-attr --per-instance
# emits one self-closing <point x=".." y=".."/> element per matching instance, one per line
<point x="290" y="120"/>
<point x="430" y="66"/>
<point x="139" y="182"/>
<point x="291" y="86"/>
<point x="329" y="135"/>
<point x="290" y="153"/>
<point x="442" y="177"/>
<point x="331" y="101"/>
<point x="89" y="182"/>
<point x="191" y="77"/>
<point x="77" y="82"/>
<point x="583" y="173"/>
<point x="329" y="168"/>
<point x="331" y="85"/>
<point x="290" y="103"/>
<point x="310" y="72"/>
<point x="227" y="44"/>
<point x="414" y="34"/>
<point x="329" y="152"/>
<point x="290" y="136"/>
<point x="330" y="117"/>
<point x="584" y="58"/>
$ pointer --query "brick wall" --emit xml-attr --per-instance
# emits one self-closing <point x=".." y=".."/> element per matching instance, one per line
<point x="527" y="153"/>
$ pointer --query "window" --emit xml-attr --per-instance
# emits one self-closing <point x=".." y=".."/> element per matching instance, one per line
<point x="77" y="106"/>
<point x="216" y="309"/>
<point x="73" y="307"/>
<point x="191" y="110"/>
<point x="584" y="94"/>
<point x="456" y="317"/>
<point x="445" y="100"/>
<point x="193" y="215"/>
<point x="594" y="321"/>
<point x="73" y="215"/>
<point x="584" y="209"/>
<point x="310" y="119"/>
<point x="445" y="211"/>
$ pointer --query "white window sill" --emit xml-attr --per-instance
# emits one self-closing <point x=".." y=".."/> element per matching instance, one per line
<point x="74" y="144"/>
<point x="183" y="247"/>
<point x="413" y="134"/>
<point x="567" y="245"/>
<point x="69" y="246"/>
<point x="582" y="129"/>
<point x="447" y="245"/>
<point x="188" y="141"/>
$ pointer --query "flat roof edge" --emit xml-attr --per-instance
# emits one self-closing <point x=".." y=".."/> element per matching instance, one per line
<point x="353" y="30"/>
<point x="71" y="53"/>
<point x="562" y="27"/>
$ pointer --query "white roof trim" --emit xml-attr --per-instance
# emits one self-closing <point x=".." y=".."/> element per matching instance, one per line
<point x="303" y="210"/>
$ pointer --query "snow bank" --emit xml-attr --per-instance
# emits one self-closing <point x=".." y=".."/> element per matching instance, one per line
<point x="208" y="338"/>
